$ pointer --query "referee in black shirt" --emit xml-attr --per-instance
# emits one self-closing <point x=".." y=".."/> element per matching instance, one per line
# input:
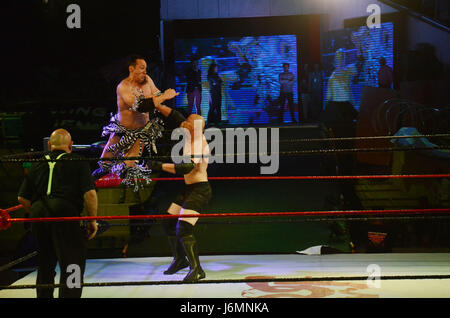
<point x="60" y="189"/>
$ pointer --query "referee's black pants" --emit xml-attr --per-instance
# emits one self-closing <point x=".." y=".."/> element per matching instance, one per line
<point x="59" y="242"/>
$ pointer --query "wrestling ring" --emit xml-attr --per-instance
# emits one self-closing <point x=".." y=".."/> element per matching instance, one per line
<point x="302" y="274"/>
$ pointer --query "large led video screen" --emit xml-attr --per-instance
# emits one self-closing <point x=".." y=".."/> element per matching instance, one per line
<point x="248" y="67"/>
<point x="351" y="60"/>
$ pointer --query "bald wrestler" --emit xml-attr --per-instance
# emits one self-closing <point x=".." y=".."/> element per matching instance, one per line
<point x="193" y="200"/>
<point x="60" y="189"/>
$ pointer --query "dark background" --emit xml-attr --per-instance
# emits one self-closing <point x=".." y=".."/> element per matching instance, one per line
<point x="53" y="76"/>
<point x="44" y="58"/>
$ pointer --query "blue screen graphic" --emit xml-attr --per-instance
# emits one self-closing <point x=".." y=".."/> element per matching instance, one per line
<point x="249" y="69"/>
<point x="350" y="59"/>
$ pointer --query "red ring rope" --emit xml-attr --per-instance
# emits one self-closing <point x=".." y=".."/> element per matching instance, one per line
<point x="115" y="181"/>
<point x="6" y="220"/>
<point x="11" y="209"/>
<point x="222" y="215"/>
<point x="319" y="177"/>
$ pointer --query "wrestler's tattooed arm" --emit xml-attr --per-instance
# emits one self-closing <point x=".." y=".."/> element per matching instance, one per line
<point x="125" y="93"/>
<point x="159" y="98"/>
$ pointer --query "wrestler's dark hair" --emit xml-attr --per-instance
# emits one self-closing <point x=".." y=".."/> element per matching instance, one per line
<point x="132" y="59"/>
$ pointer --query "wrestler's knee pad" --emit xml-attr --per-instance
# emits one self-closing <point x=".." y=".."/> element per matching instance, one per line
<point x="184" y="229"/>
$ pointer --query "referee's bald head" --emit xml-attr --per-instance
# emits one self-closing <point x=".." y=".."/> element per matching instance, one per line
<point x="60" y="139"/>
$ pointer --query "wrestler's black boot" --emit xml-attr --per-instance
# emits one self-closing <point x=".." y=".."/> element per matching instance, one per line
<point x="190" y="248"/>
<point x="179" y="257"/>
<point x="185" y="234"/>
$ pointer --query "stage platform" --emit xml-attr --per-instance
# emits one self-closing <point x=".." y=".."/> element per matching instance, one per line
<point x="236" y="267"/>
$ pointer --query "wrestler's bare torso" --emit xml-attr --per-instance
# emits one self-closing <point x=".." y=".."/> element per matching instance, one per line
<point x="198" y="174"/>
<point x="127" y="91"/>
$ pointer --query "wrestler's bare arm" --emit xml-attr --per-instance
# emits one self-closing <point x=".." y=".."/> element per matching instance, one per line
<point x="200" y="162"/>
<point x="125" y="96"/>
<point x="169" y="167"/>
<point x="153" y="88"/>
<point x="163" y="109"/>
<point x="158" y="100"/>
<point x="157" y="96"/>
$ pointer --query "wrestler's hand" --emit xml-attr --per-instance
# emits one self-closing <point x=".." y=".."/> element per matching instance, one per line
<point x="91" y="228"/>
<point x="187" y="125"/>
<point x="170" y="93"/>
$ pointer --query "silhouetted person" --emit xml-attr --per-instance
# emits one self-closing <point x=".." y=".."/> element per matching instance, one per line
<point x="315" y="90"/>
<point x="215" y="86"/>
<point x="340" y="116"/>
<point x="305" y="93"/>
<point x="385" y="75"/>
<point x="287" y="80"/>
<point x="194" y="88"/>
